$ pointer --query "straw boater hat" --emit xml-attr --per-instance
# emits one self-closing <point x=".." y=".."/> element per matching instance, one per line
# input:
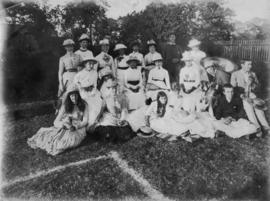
<point x="157" y="57"/>
<point x="145" y="132"/>
<point x="84" y="37"/>
<point x="133" y="58"/>
<point x="68" y="42"/>
<point x="186" y="56"/>
<point x="119" y="46"/>
<point x="193" y="43"/>
<point x="151" y="42"/>
<point x="72" y="88"/>
<point x="105" y="71"/>
<point x="89" y="58"/>
<point x="104" y="42"/>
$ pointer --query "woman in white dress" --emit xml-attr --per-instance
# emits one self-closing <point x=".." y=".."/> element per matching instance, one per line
<point x="148" y="58"/>
<point x="197" y="55"/>
<point x="120" y="64"/>
<point x="69" y="126"/>
<point x="68" y="67"/>
<point x="165" y="119"/>
<point x="189" y="81"/>
<point x="134" y="84"/>
<point x="111" y="124"/>
<point x="159" y="116"/>
<point x="104" y="59"/>
<point x="158" y="79"/>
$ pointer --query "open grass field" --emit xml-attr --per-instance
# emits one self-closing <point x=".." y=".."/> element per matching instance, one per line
<point x="140" y="169"/>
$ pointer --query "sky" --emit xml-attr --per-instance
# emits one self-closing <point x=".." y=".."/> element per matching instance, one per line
<point x="244" y="9"/>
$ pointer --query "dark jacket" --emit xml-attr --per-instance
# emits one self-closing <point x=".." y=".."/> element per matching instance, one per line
<point x="232" y="109"/>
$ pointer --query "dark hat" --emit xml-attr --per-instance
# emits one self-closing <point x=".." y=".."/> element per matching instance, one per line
<point x="134" y="43"/>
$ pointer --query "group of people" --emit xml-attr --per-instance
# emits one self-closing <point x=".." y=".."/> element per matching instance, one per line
<point x="118" y="98"/>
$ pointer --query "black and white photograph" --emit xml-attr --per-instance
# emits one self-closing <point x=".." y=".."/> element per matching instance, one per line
<point x="135" y="100"/>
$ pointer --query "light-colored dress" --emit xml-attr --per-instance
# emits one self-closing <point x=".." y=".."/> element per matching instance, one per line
<point x="105" y="61"/>
<point x="136" y="118"/>
<point x="134" y="88"/>
<point x="159" y="80"/>
<point x="121" y="67"/>
<point x="92" y="98"/>
<point x="166" y="124"/>
<point x="139" y="56"/>
<point x="149" y="65"/>
<point x="70" y="63"/>
<point x="190" y="77"/>
<point x="55" y="140"/>
<point x="84" y="53"/>
<point x="114" y="111"/>
<point x="197" y="56"/>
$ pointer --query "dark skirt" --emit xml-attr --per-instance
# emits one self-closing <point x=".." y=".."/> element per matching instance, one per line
<point x="114" y="133"/>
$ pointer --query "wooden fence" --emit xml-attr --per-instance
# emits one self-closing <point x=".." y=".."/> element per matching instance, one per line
<point x="256" y="50"/>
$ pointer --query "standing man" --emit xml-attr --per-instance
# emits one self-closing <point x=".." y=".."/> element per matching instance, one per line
<point x="172" y="54"/>
<point x="247" y="84"/>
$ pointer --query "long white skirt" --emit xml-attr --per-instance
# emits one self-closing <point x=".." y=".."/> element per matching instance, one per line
<point x="167" y="125"/>
<point x="136" y="118"/>
<point x="94" y="106"/>
<point x="190" y="101"/>
<point x="236" y="129"/>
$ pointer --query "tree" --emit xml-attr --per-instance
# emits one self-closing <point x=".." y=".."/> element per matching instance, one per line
<point x="204" y="20"/>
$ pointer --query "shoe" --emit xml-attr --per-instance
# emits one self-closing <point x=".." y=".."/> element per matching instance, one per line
<point x="266" y="130"/>
<point x="219" y="133"/>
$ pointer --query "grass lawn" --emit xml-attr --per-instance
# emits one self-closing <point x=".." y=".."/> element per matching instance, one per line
<point x="220" y="168"/>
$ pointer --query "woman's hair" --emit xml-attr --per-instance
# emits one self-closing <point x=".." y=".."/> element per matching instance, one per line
<point x="104" y="79"/>
<point x="69" y="105"/>
<point x="161" y="108"/>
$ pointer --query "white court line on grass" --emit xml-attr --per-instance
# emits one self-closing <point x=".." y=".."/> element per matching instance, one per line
<point x="46" y="172"/>
<point x="149" y="190"/>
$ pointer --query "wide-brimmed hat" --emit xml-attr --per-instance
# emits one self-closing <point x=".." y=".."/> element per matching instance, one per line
<point x="84" y="37"/>
<point x="68" y="42"/>
<point x="151" y="42"/>
<point x="119" y="46"/>
<point x="133" y="58"/>
<point x="157" y="57"/>
<point x="89" y="58"/>
<point x="220" y="63"/>
<point x="259" y="104"/>
<point x="72" y="88"/>
<point x="104" y="42"/>
<point x="145" y="132"/>
<point x="186" y="56"/>
<point x="105" y="71"/>
<point x="194" y="42"/>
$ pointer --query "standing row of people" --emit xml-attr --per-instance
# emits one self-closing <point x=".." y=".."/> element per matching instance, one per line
<point x="116" y="98"/>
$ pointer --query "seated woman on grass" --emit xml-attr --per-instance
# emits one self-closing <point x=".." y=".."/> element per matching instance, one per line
<point x="111" y="125"/>
<point x="69" y="126"/>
